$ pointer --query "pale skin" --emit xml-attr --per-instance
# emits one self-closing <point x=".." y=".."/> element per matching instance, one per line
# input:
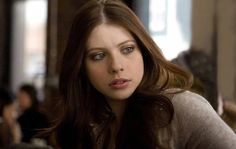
<point x="114" y="65"/>
<point x="10" y="116"/>
<point x="24" y="100"/>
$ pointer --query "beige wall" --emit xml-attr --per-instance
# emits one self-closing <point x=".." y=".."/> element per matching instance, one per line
<point x="227" y="48"/>
<point x="202" y="35"/>
<point x="202" y="24"/>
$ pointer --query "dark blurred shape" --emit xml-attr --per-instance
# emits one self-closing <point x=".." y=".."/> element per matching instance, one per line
<point x="32" y="120"/>
<point x="201" y="66"/>
<point x="229" y="113"/>
<point x="6" y="98"/>
<point x="9" y="128"/>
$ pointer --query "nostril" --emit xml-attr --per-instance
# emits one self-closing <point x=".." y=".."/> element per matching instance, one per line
<point x="115" y="71"/>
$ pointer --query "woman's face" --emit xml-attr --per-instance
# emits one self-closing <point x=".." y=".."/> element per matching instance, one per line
<point x="113" y="62"/>
<point x="24" y="100"/>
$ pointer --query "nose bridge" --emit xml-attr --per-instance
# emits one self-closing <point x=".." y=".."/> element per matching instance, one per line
<point x="115" y="61"/>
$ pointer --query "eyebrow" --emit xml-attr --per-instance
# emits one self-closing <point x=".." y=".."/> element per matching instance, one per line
<point x="126" y="42"/>
<point x="120" y="44"/>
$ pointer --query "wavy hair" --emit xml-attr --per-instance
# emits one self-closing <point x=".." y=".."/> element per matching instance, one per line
<point x="81" y="104"/>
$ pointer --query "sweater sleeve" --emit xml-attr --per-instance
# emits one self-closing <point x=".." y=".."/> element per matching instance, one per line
<point x="198" y="125"/>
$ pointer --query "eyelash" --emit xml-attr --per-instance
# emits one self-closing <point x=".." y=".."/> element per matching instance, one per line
<point x="127" y="50"/>
<point x="97" y="56"/>
<point x="100" y="55"/>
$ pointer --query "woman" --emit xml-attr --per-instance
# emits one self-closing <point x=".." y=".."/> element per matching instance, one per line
<point x="117" y="90"/>
<point x="31" y="119"/>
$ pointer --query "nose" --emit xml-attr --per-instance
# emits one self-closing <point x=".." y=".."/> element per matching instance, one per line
<point x="116" y="65"/>
<point x="116" y="71"/>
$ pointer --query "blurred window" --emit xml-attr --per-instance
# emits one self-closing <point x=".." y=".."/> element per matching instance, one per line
<point x="170" y="25"/>
<point x="29" y="42"/>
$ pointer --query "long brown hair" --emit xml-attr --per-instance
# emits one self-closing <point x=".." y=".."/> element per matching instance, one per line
<point x="81" y="104"/>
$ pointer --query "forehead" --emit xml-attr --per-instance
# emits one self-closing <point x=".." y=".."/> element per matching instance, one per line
<point x="109" y="34"/>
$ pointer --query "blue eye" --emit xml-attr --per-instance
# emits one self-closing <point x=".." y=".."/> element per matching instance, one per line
<point x="97" y="56"/>
<point x="127" y="50"/>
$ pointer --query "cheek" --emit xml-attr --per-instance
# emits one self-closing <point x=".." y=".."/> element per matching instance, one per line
<point x="96" y="74"/>
<point x="24" y="102"/>
<point x="139" y="65"/>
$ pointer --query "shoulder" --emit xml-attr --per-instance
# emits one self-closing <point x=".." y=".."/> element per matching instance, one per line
<point x="187" y="101"/>
<point x="193" y="107"/>
<point x="198" y="125"/>
<point x="190" y="101"/>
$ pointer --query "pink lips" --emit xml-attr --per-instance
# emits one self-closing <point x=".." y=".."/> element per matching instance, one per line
<point x="119" y="83"/>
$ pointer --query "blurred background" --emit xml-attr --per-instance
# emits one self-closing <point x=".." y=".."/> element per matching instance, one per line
<point x="198" y="35"/>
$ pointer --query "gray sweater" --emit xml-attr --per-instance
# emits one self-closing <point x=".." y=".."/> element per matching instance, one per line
<point x="196" y="125"/>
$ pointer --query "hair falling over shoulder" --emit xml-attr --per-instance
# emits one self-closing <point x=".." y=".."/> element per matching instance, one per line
<point x="85" y="118"/>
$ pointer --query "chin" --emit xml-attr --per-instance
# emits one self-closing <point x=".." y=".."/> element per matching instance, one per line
<point x="120" y="97"/>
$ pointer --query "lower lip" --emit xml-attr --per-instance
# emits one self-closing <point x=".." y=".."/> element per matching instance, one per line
<point x="120" y="86"/>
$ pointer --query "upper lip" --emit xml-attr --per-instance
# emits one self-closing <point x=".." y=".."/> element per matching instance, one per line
<point x="115" y="81"/>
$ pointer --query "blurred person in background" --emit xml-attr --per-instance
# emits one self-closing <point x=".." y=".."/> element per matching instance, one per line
<point x="201" y="66"/>
<point x="31" y="119"/>
<point x="10" y="132"/>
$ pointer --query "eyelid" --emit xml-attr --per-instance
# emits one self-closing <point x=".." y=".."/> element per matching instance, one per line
<point x="93" y="55"/>
<point x="128" y="44"/>
<point x="125" y="49"/>
<point x="92" y="52"/>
